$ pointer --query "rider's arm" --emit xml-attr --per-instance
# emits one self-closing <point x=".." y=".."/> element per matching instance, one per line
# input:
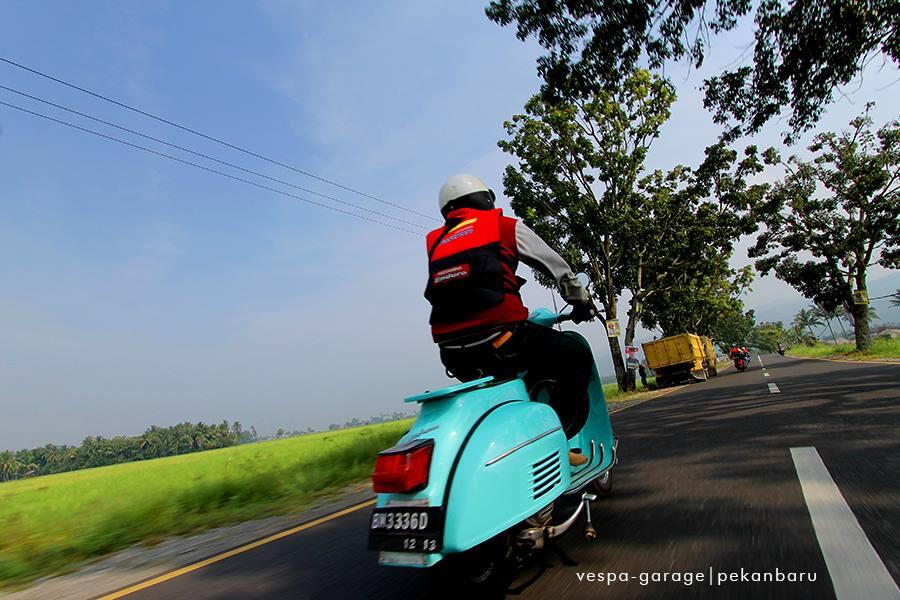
<point x="534" y="252"/>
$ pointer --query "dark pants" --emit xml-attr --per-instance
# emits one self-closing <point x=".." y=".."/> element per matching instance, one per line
<point x="562" y="362"/>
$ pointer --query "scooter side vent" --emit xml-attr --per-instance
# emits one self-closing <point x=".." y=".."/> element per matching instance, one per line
<point x="545" y="474"/>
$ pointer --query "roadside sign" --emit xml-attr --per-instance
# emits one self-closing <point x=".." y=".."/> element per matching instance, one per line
<point x="631" y="359"/>
<point x="612" y="328"/>
<point x="860" y="297"/>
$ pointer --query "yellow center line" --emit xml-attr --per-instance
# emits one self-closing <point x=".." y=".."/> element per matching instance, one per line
<point x="239" y="550"/>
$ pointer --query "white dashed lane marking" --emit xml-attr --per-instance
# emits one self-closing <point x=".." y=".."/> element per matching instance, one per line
<point x="773" y="389"/>
<point x="765" y="374"/>
<point x="855" y="568"/>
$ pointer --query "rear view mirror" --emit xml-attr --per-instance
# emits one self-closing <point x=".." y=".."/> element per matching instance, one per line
<point x="583" y="279"/>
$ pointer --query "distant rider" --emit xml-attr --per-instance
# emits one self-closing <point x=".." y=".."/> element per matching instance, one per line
<point x="477" y="317"/>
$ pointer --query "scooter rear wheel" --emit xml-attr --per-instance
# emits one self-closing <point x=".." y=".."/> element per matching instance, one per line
<point x="603" y="485"/>
<point x="485" y="569"/>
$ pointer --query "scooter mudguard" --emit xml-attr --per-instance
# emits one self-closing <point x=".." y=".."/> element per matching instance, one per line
<point x="447" y="416"/>
<point x="512" y="466"/>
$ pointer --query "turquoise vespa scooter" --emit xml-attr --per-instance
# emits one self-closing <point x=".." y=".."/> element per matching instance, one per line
<point x="475" y="479"/>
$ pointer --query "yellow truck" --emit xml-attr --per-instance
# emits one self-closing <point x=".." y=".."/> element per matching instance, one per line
<point x="681" y="358"/>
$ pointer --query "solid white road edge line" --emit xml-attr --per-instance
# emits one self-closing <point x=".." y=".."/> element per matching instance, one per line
<point x="773" y="389"/>
<point x="855" y="568"/>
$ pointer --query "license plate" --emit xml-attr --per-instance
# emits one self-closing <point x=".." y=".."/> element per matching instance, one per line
<point x="407" y="529"/>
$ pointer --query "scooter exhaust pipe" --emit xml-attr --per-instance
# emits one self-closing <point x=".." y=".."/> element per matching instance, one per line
<point x="558" y="530"/>
<point x="533" y="538"/>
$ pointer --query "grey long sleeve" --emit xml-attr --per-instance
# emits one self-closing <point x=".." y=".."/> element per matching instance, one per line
<point x="535" y="253"/>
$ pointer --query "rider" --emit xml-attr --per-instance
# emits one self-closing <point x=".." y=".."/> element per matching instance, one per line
<point x="735" y="352"/>
<point x="477" y="317"/>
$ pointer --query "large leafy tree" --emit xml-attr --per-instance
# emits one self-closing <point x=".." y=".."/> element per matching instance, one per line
<point x="701" y="301"/>
<point x="579" y="183"/>
<point x="766" y="336"/>
<point x="575" y="183"/>
<point x="802" y="49"/>
<point x="733" y="328"/>
<point x="833" y="217"/>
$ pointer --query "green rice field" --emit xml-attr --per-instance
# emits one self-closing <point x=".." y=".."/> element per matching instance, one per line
<point x="48" y="524"/>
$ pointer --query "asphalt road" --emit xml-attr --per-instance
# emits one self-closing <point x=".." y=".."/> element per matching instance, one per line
<point x="706" y="481"/>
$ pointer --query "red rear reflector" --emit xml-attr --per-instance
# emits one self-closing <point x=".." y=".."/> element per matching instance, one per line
<point x="403" y="469"/>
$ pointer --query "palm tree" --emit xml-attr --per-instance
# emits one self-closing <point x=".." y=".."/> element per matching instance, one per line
<point x="895" y="298"/>
<point x="840" y="314"/>
<point x="821" y="312"/>
<point x="9" y="465"/>
<point x="807" y="319"/>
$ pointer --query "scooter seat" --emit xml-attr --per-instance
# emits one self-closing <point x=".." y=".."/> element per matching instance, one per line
<point x="451" y="390"/>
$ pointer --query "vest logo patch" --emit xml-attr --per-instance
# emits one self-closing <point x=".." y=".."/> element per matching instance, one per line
<point x="461" y="233"/>
<point x="453" y="273"/>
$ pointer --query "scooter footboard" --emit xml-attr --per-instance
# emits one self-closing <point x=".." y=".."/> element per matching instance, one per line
<point x="514" y="464"/>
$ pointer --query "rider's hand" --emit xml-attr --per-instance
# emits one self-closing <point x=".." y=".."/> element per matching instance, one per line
<point x="583" y="312"/>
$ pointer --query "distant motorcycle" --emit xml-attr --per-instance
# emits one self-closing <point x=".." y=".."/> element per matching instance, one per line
<point x="780" y="350"/>
<point x="741" y="363"/>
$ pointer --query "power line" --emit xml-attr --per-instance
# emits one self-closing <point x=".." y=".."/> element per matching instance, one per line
<point x="205" y="168"/>
<point x="212" y="139"/>
<point x="212" y="158"/>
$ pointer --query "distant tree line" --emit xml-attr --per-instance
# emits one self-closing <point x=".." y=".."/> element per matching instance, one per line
<point x="382" y="418"/>
<point x="98" y="451"/>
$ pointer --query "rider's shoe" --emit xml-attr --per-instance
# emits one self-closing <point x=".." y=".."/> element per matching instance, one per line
<point x="576" y="458"/>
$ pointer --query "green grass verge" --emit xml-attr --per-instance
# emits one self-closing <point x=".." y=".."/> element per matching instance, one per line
<point x="614" y="394"/>
<point x="48" y="524"/>
<point x="880" y="348"/>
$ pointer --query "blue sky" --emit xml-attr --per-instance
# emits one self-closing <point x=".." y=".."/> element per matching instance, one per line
<point x="137" y="291"/>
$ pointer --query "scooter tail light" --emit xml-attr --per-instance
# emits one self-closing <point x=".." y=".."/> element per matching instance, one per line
<point x="403" y="469"/>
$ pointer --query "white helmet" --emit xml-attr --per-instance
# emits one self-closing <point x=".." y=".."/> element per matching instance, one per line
<point x="465" y="189"/>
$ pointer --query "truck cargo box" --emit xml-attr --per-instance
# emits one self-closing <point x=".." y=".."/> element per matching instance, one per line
<point x="679" y="358"/>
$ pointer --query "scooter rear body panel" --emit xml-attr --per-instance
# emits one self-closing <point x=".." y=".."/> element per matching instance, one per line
<point x="499" y="457"/>
<point x="512" y="466"/>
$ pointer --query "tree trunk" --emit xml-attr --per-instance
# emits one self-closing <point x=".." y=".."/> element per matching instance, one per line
<point x="633" y="313"/>
<point x="618" y="363"/>
<point x="861" y="317"/>
<point x="616" y="351"/>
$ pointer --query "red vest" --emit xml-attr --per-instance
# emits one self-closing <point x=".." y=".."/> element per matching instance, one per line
<point x="472" y="280"/>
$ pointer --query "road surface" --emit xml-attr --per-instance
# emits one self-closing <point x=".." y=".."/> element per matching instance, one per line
<point x="707" y="483"/>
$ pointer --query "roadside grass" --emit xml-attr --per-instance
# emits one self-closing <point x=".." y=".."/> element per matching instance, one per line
<point x="49" y="524"/>
<point x="880" y="348"/>
<point x="614" y="394"/>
